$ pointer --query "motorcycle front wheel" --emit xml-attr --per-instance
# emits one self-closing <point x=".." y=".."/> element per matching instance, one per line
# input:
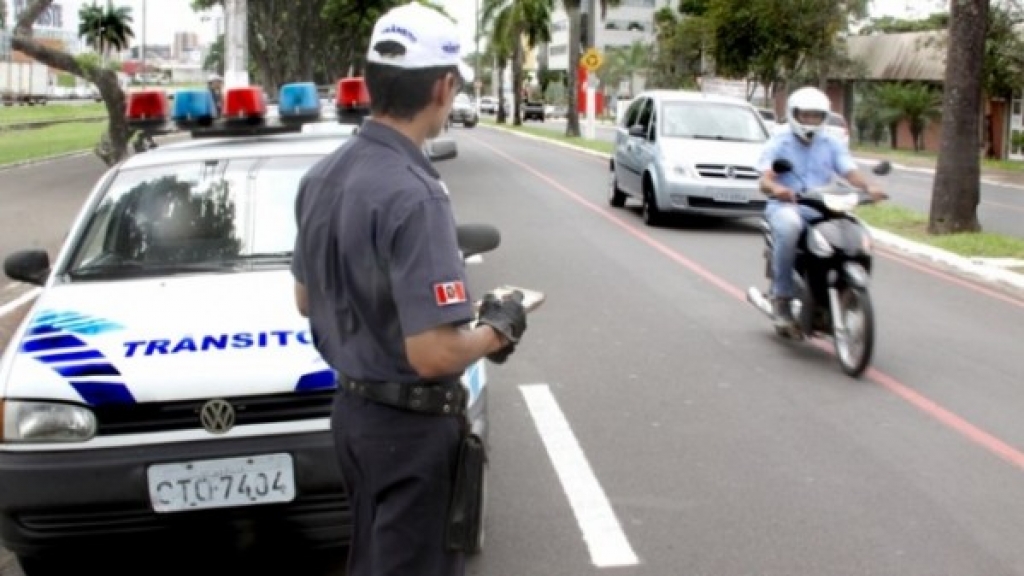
<point x="855" y="341"/>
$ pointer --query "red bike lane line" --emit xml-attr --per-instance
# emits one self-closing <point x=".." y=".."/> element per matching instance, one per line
<point x="943" y="415"/>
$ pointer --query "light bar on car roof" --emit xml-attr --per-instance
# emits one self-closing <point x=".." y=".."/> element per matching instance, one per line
<point x="352" y="101"/>
<point x="193" y="108"/>
<point x="245" y="105"/>
<point x="298" y="103"/>
<point x="147" y="109"/>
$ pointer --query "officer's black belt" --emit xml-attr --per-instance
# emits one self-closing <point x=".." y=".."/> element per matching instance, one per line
<point x="439" y="398"/>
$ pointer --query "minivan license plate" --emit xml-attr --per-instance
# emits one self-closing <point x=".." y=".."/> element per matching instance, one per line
<point x="222" y="483"/>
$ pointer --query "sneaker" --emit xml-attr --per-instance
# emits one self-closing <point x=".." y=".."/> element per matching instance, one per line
<point x="783" y="314"/>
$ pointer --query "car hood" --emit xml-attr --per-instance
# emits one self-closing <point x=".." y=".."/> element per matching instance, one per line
<point x="695" y="152"/>
<point x="165" y="339"/>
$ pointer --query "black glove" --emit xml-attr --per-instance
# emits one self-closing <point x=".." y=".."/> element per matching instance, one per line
<point x="507" y="317"/>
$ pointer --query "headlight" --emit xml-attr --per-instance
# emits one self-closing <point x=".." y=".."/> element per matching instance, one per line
<point x="818" y="244"/>
<point x="47" y="422"/>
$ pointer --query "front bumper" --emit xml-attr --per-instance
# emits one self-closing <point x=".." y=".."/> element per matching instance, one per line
<point x="463" y="116"/>
<point x="71" y="499"/>
<point x="716" y="199"/>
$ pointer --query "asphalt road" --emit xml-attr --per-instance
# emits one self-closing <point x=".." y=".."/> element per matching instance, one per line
<point x="1001" y="209"/>
<point x="650" y="423"/>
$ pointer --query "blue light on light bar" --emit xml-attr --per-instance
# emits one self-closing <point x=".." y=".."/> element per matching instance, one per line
<point x="298" y="101"/>
<point x="194" y="106"/>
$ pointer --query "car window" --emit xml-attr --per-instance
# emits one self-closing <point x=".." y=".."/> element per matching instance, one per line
<point x="767" y="115"/>
<point x="200" y="215"/>
<point x="629" y="118"/>
<point x="645" y="114"/>
<point x="702" y="120"/>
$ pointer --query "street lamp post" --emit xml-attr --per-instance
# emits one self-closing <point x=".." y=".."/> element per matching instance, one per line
<point x="143" y="48"/>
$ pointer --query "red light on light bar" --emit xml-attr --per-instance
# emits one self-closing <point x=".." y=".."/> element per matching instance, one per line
<point x="148" y="105"/>
<point x="245" y="102"/>
<point x="352" y="93"/>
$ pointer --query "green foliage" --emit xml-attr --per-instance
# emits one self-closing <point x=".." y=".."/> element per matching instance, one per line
<point x="891" y="25"/>
<point x="105" y="28"/>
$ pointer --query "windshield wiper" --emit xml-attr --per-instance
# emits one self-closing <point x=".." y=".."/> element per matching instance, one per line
<point x="130" y="268"/>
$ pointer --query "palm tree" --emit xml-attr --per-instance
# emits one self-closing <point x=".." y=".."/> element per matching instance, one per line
<point x="572" y="9"/>
<point x="519" y="20"/>
<point x="105" y="29"/>
<point x="499" y="47"/>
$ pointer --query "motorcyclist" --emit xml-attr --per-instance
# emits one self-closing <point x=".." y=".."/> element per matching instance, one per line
<point x="817" y="158"/>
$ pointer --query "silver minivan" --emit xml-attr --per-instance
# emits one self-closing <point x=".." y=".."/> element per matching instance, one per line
<point x="683" y="151"/>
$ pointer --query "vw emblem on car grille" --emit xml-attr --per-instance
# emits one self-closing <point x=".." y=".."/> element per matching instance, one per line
<point x="730" y="171"/>
<point x="217" y="416"/>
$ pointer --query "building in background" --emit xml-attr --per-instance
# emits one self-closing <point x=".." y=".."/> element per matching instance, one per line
<point x="185" y="47"/>
<point x="631" y="21"/>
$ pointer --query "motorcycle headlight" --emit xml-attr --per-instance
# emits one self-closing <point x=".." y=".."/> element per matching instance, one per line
<point x="841" y="202"/>
<point x="818" y="245"/>
<point x="47" y="422"/>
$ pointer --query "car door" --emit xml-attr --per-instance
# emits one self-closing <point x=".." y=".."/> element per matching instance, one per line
<point x="646" y="149"/>
<point x="627" y="169"/>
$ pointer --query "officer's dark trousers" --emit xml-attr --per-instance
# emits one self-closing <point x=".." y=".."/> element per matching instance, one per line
<point x="398" y="468"/>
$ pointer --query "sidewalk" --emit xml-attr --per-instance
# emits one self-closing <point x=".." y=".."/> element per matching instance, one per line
<point x="990" y="175"/>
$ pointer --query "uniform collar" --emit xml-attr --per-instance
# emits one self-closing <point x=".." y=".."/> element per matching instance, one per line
<point x="387" y="136"/>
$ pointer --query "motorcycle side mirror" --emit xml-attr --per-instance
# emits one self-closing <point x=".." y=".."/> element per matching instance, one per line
<point x="781" y="166"/>
<point x="882" y="168"/>
<point x="477" y="238"/>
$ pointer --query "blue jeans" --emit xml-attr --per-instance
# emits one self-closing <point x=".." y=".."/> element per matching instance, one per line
<point x="787" y="221"/>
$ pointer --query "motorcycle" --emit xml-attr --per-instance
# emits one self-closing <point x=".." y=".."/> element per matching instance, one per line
<point x="832" y="273"/>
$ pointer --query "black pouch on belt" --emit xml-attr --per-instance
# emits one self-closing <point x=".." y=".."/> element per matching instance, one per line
<point x="465" y="512"/>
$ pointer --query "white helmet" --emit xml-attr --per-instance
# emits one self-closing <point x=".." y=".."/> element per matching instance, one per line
<point x="807" y="99"/>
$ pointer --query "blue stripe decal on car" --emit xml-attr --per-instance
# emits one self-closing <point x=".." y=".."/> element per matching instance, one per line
<point x="99" y="393"/>
<point x="70" y="356"/>
<point x="51" y="343"/>
<point x="323" y="379"/>
<point x="84" y="370"/>
<point x="55" y="333"/>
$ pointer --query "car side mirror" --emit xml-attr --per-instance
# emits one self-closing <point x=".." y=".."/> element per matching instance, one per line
<point x="782" y="166"/>
<point x="638" y="131"/>
<point x="29" y="266"/>
<point x="438" y="150"/>
<point x="882" y="168"/>
<point x="476" y="239"/>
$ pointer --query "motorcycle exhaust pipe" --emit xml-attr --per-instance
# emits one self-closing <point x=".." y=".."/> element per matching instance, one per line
<point x="755" y="297"/>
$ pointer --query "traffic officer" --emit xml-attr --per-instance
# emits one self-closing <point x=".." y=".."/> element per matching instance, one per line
<point x="379" y="274"/>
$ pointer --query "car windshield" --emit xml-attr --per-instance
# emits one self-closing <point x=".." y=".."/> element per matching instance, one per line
<point x="462" y="100"/>
<point x="705" y="121"/>
<point x="192" y="217"/>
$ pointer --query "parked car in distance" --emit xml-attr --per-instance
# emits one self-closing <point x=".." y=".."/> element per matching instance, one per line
<point x="533" y="111"/>
<point x="488" y="105"/>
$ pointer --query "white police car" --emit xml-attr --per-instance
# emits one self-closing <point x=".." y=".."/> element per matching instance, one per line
<point x="163" y="377"/>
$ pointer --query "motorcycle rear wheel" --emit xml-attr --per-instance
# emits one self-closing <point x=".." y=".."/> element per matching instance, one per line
<point x="855" y="342"/>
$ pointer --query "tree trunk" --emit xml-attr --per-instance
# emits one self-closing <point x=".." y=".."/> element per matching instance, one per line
<point x="501" y="94"/>
<point x="114" y="147"/>
<point x="956" y="192"/>
<point x="517" y="76"/>
<point x="572" y="118"/>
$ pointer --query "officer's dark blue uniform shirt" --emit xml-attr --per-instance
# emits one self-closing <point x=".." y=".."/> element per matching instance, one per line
<point x="377" y="252"/>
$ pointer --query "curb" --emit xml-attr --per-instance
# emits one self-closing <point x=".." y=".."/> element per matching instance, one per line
<point x="32" y="161"/>
<point x="992" y="274"/>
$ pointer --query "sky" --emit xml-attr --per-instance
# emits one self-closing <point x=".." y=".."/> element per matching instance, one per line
<point x="165" y="17"/>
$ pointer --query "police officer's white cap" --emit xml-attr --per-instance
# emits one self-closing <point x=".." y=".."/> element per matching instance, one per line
<point x="427" y="37"/>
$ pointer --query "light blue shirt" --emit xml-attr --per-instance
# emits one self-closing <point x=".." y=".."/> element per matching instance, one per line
<point x="813" y="166"/>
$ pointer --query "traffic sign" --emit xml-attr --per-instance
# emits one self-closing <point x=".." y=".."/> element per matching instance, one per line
<point x="592" y="60"/>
